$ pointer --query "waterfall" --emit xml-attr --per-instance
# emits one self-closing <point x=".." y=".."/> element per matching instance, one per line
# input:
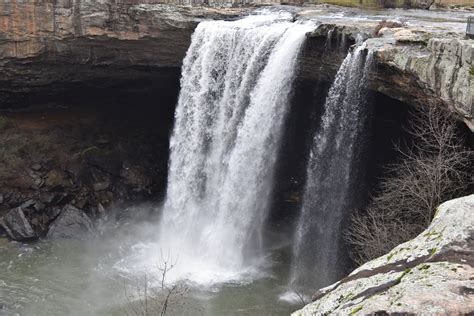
<point x="235" y="87"/>
<point x="331" y="176"/>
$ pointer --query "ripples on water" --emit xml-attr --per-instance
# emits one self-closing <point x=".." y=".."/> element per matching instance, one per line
<point x="79" y="278"/>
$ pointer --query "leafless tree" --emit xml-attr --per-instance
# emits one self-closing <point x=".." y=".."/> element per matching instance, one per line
<point x="148" y="299"/>
<point x="433" y="168"/>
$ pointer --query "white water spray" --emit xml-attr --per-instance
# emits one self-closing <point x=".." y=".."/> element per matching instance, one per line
<point x="235" y="87"/>
<point x="331" y="174"/>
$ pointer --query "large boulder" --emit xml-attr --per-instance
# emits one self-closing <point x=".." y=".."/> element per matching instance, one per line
<point x="71" y="223"/>
<point x="431" y="274"/>
<point x="17" y="226"/>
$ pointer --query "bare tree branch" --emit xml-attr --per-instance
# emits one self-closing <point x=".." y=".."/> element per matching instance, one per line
<point x="433" y="168"/>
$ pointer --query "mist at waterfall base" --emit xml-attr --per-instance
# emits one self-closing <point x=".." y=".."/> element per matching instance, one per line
<point x="235" y="87"/>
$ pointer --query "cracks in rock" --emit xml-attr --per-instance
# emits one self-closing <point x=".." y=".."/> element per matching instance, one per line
<point x="452" y="256"/>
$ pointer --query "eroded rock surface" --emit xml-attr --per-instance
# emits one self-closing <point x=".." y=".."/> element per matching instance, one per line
<point x="50" y="46"/>
<point x="421" y="69"/>
<point x="430" y="274"/>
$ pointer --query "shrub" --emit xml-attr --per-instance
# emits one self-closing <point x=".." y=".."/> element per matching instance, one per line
<point x="434" y="168"/>
<point x="149" y="299"/>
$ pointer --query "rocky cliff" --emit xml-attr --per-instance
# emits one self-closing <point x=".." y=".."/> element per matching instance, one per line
<point x="431" y="274"/>
<point x="416" y="64"/>
<point x="47" y="47"/>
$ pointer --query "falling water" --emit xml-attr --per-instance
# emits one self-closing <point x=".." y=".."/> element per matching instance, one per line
<point x="330" y="176"/>
<point x="236" y="81"/>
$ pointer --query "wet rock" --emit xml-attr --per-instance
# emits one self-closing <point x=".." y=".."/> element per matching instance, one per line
<point x="101" y="209"/>
<point x="72" y="223"/>
<point x="17" y="226"/>
<point x="61" y="198"/>
<point x="53" y="212"/>
<point x="28" y="203"/>
<point x="39" y="206"/>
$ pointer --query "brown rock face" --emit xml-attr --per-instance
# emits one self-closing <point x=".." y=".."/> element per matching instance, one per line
<point x="47" y="46"/>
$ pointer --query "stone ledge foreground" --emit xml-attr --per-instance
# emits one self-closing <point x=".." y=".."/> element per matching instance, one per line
<point x="430" y="274"/>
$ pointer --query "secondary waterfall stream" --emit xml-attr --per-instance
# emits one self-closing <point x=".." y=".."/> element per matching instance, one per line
<point x="236" y="82"/>
<point x="331" y="170"/>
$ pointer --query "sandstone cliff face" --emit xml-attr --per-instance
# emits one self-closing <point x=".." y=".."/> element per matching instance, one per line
<point x="438" y="70"/>
<point x="47" y="47"/>
<point x="44" y="46"/>
<point x="431" y="274"/>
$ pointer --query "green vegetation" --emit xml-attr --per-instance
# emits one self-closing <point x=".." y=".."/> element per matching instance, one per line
<point x="357" y="309"/>
<point x="399" y="279"/>
<point x="423" y="267"/>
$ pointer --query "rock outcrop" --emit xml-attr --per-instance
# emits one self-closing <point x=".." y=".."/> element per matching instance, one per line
<point x="66" y="45"/>
<point x="71" y="223"/>
<point x="424" y="69"/>
<point x="17" y="226"/>
<point x="416" y="65"/>
<point x="431" y="274"/>
<point x="50" y="46"/>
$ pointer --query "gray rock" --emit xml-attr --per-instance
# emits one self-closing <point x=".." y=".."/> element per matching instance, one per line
<point x="430" y="274"/>
<point x="17" y="226"/>
<point x="27" y="204"/>
<point x="72" y="223"/>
